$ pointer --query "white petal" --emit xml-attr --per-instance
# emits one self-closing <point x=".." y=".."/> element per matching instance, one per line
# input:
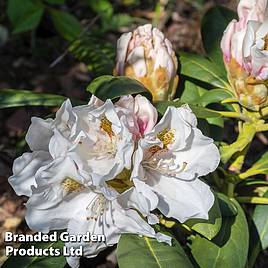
<point x="181" y="200"/>
<point x="262" y="30"/>
<point x="177" y="120"/>
<point x="57" y="171"/>
<point x="95" y="102"/>
<point x="56" y="217"/>
<point x="237" y="45"/>
<point x="121" y="52"/>
<point x="114" y="222"/>
<point x="39" y="134"/>
<point x="250" y="37"/>
<point x="201" y="156"/>
<point x="226" y="41"/>
<point x="58" y="145"/>
<point x="163" y="238"/>
<point x="140" y="197"/>
<point x="24" y="170"/>
<point x="163" y="59"/>
<point x="137" y="60"/>
<point x="65" y="120"/>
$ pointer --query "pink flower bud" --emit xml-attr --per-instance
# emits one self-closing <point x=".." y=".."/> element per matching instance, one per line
<point x="146" y="55"/>
<point x="245" y="49"/>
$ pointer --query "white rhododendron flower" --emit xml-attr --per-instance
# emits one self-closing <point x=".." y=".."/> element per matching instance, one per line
<point x="170" y="159"/>
<point x="73" y="131"/>
<point x="105" y="168"/>
<point x="62" y="200"/>
<point x="146" y="55"/>
<point x="245" y="50"/>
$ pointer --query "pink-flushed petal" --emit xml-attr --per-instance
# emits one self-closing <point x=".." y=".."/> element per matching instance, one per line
<point x="146" y="114"/>
<point x="226" y="41"/>
<point x="252" y="10"/>
<point x="141" y="115"/>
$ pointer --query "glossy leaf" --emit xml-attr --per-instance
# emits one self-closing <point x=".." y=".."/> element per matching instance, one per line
<point x="227" y="207"/>
<point x="24" y="15"/>
<point x="252" y="181"/>
<point x="260" y="167"/>
<point x="208" y="228"/>
<point x="199" y="111"/>
<point x="202" y="69"/>
<point x="37" y="261"/>
<point x="229" y="248"/>
<point x="191" y="92"/>
<point x="134" y="251"/>
<point x="214" y="23"/>
<point x="66" y="24"/>
<point x="16" y="98"/>
<point x="258" y="231"/>
<point x="111" y="87"/>
<point x="214" y="96"/>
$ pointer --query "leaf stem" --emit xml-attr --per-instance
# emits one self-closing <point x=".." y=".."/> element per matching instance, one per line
<point x="230" y="189"/>
<point x="252" y="200"/>
<point x="234" y="115"/>
<point x="248" y="173"/>
<point x="263" y="127"/>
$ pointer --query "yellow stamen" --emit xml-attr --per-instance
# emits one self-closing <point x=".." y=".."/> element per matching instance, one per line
<point x="266" y="42"/>
<point x="106" y="126"/>
<point x="166" y="136"/>
<point x="70" y="185"/>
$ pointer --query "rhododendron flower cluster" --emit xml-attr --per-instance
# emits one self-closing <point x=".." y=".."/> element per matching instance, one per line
<point x="111" y="169"/>
<point x="245" y="49"/>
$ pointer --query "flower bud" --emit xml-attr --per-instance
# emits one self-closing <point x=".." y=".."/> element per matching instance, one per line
<point x="147" y="56"/>
<point x="245" y="48"/>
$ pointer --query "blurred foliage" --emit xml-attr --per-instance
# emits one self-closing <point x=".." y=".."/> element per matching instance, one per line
<point x="97" y="53"/>
<point x="204" y="87"/>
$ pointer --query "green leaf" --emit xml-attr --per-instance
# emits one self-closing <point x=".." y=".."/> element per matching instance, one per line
<point x="214" y="96"/>
<point x="214" y="23"/>
<point x="208" y="228"/>
<point x="120" y="20"/>
<point x="102" y="7"/>
<point x="227" y="207"/>
<point x="199" y="111"/>
<point x="111" y="87"/>
<point x="24" y="15"/>
<point x="15" y="98"/>
<point x="134" y="251"/>
<point x="252" y="182"/>
<point x="191" y="92"/>
<point x="260" y="218"/>
<point x="66" y="24"/>
<point x="260" y="167"/>
<point x="258" y="232"/>
<point x="229" y="248"/>
<point x="36" y="261"/>
<point x="202" y="69"/>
